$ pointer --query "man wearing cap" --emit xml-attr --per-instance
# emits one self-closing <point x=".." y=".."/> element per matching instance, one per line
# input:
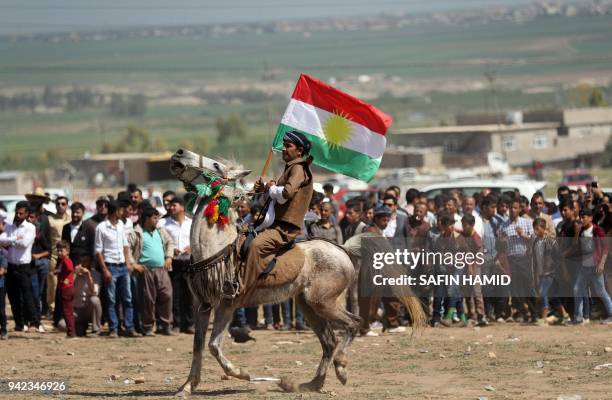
<point x="100" y="215"/>
<point x="288" y="201"/>
<point x="368" y="305"/>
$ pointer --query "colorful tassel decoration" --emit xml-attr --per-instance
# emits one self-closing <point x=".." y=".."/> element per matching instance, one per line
<point x="217" y="210"/>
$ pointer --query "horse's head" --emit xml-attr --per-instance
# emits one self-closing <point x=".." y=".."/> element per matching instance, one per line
<point x="192" y="168"/>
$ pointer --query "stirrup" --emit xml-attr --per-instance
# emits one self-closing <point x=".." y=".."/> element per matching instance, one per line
<point x="231" y="290"/>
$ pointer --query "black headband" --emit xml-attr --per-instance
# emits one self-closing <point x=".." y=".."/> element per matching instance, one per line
<point x="298" y="139"/>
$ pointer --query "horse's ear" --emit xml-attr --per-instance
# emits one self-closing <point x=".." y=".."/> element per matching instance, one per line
<point x="238" y="173"/>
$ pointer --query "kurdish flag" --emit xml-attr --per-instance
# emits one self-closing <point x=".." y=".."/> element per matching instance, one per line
<point x="347" y="135"/>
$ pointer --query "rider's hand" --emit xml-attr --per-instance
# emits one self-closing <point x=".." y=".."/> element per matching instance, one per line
<point x="259" y="186"/>
<point x="269" y="185"/>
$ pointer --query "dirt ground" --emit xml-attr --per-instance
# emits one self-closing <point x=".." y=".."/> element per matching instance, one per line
<point x="503" y="361"/>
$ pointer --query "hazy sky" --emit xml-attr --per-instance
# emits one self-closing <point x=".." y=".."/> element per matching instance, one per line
<point x="66" y="15"/>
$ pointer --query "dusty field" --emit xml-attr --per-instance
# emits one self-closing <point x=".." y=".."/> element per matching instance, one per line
<point x="508" y="361"/>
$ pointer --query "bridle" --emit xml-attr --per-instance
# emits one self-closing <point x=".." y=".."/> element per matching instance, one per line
<point x="204" y="191"/>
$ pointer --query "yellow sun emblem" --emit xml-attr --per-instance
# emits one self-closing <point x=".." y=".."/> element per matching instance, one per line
<point x="337" y="129"/>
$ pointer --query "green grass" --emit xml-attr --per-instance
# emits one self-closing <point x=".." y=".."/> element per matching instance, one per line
<point x="26" y="136"/>
<point x="417" y="52"/>
<point x="547" y="46"/>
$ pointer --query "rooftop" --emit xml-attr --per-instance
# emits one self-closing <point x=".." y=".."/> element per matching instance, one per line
<point x="10" y="174"/>
<point x="127" y="156"/>
<point x="477" y="128"/>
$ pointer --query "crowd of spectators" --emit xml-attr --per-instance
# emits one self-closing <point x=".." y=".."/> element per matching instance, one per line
<point x="124" y="268"/>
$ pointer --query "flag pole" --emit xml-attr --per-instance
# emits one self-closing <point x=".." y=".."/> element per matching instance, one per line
<point x="267" y="164"/>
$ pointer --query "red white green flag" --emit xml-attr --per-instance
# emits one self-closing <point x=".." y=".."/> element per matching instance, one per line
<point x="347" y="134"/>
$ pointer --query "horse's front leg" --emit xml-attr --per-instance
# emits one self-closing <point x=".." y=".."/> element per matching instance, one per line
<point x="223" y="317"/>
<point x="201" y="324"/>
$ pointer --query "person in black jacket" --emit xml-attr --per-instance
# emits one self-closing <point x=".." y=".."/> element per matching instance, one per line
<point x="41" y="255"/>
<point x="79" y="235"/>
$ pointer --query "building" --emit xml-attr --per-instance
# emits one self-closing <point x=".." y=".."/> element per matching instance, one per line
<point x="15" y="182"/>
<point x="566" y="139"/>
<point x="119" y="169"/>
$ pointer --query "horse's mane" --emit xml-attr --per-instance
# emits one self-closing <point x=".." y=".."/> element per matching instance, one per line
<point x="231" y="164"/>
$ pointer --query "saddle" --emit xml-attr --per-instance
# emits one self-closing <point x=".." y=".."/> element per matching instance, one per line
<point x="284" y="267"/>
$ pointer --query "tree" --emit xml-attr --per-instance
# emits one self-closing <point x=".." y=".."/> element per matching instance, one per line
<point x="50" y="98"/>
<point x="586" y="95"/>
<point x="597" y="98"/>
<point x="132" y="106"/>
<point x="136" y="139"/>
<point x="137" y="105"/>
<point x="78" y="99"/>
<point x="232" y="126"/>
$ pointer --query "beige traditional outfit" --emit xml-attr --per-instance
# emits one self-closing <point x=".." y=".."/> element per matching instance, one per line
<point x="57" y="225"/>
<point x="288" y="203"/>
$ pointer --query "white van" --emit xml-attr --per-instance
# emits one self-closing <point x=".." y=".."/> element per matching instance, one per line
<point x="468" y="187"/>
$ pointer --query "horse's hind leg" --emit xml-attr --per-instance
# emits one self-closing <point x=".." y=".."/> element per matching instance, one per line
<point x="350" y="324"/>
<point x="201" y="324"/>
<point x="323" y="329"/>
<point x="223" y="317"/>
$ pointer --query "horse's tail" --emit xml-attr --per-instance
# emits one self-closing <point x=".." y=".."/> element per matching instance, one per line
<point x="414" y="308"/>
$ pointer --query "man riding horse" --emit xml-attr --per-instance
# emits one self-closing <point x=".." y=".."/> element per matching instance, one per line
<point x="288" y="201"/>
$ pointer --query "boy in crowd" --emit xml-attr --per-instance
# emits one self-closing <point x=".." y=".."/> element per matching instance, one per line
<point x="447" y="243"/>
<point x="353" y="217"/>
<point x="518" y="231"/>
<point x="594" y="252"/>
<point x="473" y="293"/>
<point x="65" y="283"/>
<point x="545" y="257"/>
<point x="87" y="305"/>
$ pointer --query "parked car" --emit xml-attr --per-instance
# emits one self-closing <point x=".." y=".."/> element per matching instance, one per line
<point x="470" y="187"/>
<point x="577" y="178"/>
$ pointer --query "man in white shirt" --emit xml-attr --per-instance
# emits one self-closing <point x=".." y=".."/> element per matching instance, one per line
<point x="469" y="208"/>
<point x="396" y="228"/>
<point x="111" y="248"/>
<point x="18" y="239"/>
<point x="179" y="228"/>
<point x="450" y="206"/>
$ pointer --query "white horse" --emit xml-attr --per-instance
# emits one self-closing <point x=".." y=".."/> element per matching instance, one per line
<point x="326" y="274"/>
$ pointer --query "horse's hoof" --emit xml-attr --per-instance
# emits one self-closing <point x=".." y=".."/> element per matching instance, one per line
<point x="342" y="375"/>
<point x="244" y="374"/>
<point x="184" y="392"/>
<point x="287" y="385"/>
